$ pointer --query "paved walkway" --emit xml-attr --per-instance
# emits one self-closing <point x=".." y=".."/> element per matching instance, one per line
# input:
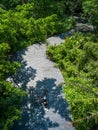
<point x="36" y="75"/>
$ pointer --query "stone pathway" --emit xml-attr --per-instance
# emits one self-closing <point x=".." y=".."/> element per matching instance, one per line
<point x="36" y="75"/>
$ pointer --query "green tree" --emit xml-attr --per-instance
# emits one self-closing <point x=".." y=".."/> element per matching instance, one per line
<point x="77" y="58"/>
<point x="19" y="29"/>
<point x="90" y="8"/>
<point x="11" y="4"/>
<point x="10" y="97"/>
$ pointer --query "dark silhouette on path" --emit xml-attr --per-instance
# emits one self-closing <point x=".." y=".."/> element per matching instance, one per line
<point x="36" y="75"/>
<point x="34" y="116"/>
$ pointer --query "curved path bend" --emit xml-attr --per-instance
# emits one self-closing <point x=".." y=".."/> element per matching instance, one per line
<point x="36" y="75"/>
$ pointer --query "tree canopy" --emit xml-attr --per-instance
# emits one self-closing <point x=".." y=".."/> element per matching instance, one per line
<point x="10" y="97"/>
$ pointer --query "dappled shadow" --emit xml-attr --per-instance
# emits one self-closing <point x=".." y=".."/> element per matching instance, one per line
<point x="23" y="76"/>
<point x="25" y="73"/>
<point x="64" y="35"/>
<point x="55" y="96"/>
<point x="81" y="25"/>
<point x="34" y="115"/>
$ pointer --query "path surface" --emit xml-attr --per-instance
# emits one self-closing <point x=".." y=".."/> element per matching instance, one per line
<point x="37" y="74"/>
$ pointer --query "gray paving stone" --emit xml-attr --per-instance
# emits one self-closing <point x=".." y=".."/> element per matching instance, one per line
<point x="36" y="75"/>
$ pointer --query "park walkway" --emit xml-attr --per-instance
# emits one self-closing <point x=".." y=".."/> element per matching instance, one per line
<point x="36" y="75"/>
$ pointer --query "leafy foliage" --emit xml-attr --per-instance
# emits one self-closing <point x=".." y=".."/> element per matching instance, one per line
<point x="43" y="8"/>
<point x="19" y="29"/>
<point x="19" y="32"/>
<point x="10" y="104"/>
<point x="77" y="58"/>
<point x="90" y="8"/>
<point x="10" y="97"/>
<point x="10" y="4"/>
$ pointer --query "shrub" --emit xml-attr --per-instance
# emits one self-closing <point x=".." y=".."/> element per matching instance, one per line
<point x="77" y="58"/>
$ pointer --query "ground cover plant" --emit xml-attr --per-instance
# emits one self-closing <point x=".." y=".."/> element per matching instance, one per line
<point x="77" y="58"/>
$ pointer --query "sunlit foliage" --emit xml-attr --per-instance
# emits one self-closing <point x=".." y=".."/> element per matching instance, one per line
<point x="77" y="58"/>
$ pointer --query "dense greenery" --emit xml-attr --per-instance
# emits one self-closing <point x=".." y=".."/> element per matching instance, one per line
<point x="77" y="58"/>
<point x="24" y="22"/>
<point x="43" y="8"/>
<point x="90" y="8"/>
<point x="10" y="97"/>
<point x="19" y="29"/>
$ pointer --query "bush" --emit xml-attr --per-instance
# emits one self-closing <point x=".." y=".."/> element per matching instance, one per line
<point x="77" y="58"/>
<point x="90" y="8"/>
<point x="19" y="31"/>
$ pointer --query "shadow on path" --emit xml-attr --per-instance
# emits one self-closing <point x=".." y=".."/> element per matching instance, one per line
<point x="34" y="116"/>
<point x="25" y="73"/>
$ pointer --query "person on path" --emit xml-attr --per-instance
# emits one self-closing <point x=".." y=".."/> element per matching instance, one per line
<point x="45" y="99"/>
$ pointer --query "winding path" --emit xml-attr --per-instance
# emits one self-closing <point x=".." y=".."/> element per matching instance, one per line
<point x="37" y="74"/>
